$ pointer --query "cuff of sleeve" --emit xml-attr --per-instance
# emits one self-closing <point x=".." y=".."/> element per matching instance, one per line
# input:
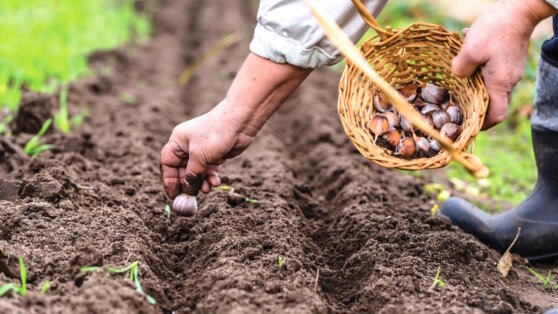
<point x="553" y="3"/>
<point x="272" y="46"/>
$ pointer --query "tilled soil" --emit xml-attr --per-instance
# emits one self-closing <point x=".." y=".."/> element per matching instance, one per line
<point x="355" y="237"/>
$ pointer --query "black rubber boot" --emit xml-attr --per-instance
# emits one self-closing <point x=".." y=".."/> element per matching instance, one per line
<point x="537" y="215"/>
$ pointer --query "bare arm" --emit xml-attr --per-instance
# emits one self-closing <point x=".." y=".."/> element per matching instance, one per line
<point x="197" y="148"/>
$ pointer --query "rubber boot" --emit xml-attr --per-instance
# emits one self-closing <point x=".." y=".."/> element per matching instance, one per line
<point x="537" y="215"/>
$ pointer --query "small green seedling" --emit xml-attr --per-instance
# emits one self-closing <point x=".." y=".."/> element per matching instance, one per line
<point x="34" y="147"/>
<point x="281" y="261"/>
<point x="134" y="277"/>
<point x="224" y="187"/>
<point x="88" y="269"/>
<point x="437" y="280"/>
<point x="62" y="121"/>
<point x="45" y="287"/>
<point x="129" y="98"/>
<point x="546" y="280"/>
<point x="19" y="289"/>
<point x="168" y="211"/>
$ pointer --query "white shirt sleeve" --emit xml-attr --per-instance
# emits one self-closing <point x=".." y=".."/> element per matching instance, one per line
<point x="553" y="3"/>
<point x="288" y="33"/>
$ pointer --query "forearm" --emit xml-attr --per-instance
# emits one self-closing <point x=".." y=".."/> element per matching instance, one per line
<point x="528" y="13"/>
<point x="259" y="89"/>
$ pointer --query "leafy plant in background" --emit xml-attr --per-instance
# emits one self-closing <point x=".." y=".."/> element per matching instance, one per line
<point x="45" y="287"/>
<point x="20" y="289"/>
<point x="33" y="146"/>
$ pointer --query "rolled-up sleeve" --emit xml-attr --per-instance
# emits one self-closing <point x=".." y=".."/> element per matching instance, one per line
<point x="553" y="3"/>
<point x="288" y="33"/>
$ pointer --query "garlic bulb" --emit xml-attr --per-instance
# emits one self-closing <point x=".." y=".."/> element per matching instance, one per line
<point x="450" y="130"/>
<point x="185" y="205"/>
<point x="440" y="118"/>
<point x="393" y="119"/>
<point x="406" y="147"/>
<point x="455" y="114"/>
<point x="379" y="125"/>
<point x="381" y="103"/>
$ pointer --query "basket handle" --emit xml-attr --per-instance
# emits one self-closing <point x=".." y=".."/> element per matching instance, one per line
<point x="369" y="19"/>
<point x="344" y="44"/>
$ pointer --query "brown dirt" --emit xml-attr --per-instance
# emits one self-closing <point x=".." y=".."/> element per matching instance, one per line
<point x="96" y="199"/>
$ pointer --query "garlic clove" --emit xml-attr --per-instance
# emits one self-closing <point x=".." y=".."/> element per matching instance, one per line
<point x="409" y="92"/>
<point x="455" y="114"/>
<point x="378" y="125"/>
<point x="392" y="137"/>
<point x="406" y="124"/>
<point x="393" y="119"/>
<point x="185" y="205"/>
<point x="429" y="109"/>
<point x="434" y="94"/>
<point x="451" y="131"/>
<point x="406" y="148"/>
<point x="429" y="121"/>
<point x="419" y="103"/>
<point x="381" y="103"/>
<point x="435" y="146"/>
<point x="447" y="104"/>
<point x="440" y="118"/>
<point x="422" y="145"/>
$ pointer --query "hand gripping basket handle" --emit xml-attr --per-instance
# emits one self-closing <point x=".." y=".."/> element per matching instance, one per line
<point x="344" y="44"/>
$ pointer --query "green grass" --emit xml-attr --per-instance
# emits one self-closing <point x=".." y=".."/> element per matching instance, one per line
<point x="20" y="289"/>
<point x="45" y="43"/>
<point x="34" y="146"/>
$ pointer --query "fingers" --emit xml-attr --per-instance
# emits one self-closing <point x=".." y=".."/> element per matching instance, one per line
<point x="498" y="107"/>
<point x="170" y="160"/>
<point x="471" y="55"/>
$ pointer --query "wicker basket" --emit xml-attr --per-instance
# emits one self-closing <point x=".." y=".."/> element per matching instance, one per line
<point x="420" y="51"/>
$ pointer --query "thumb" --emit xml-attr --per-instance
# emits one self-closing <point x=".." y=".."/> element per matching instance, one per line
<point x="193" y="178"/>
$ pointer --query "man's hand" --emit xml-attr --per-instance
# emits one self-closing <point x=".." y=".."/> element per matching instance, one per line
<point x="192" y="158"/>
<point x="196" y="150"/>
<point x="498" y="41"/>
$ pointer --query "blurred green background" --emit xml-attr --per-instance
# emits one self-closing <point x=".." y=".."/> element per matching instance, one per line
<point x="45" y="43"/>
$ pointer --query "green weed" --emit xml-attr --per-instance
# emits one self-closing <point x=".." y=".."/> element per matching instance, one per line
<point x="545" y="281"/>
<point x="133" y="270"/>
<point x="33" y="146"/>
<point x="88" y="269"/>
<point x="62" y="120"/>
<point x="224" y="187"/>
<point x="168" y="210"/>
<point x="45" y="287"/>
<point x="20" y="289"/>
<point x="437" y="280"/>
<point x="281" y="261"/>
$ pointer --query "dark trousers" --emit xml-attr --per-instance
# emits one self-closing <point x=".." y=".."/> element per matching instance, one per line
<point x="545" y="116"/>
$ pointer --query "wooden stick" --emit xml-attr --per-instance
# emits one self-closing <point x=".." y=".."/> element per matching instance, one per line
<point x="344" y="44"/>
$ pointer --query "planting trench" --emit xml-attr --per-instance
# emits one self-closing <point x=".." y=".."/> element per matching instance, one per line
<point x="96" y="199"/>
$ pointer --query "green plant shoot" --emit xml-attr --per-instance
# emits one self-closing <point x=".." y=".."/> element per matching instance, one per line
<point x="281" y="261"/>
<point x="88" y="269"/>
<point x="19" y="289"/>
<point x="544" y="281"/>
<point x="33" y="146"/>
<point x="437" y="280"/>
<point x="45" y="287"/>
<point x="168" y="211"/>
